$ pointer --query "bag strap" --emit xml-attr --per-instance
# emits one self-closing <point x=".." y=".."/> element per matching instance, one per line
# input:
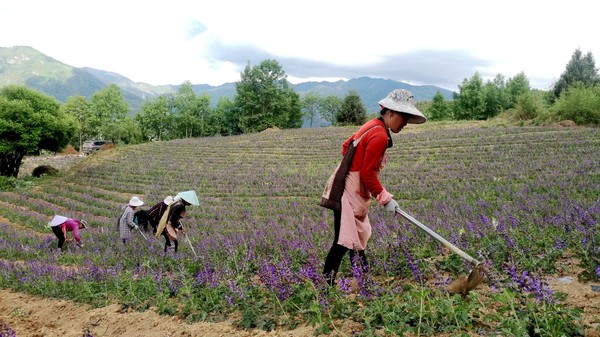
<point x="355" y="141"/>
<point x="121" y="216"/>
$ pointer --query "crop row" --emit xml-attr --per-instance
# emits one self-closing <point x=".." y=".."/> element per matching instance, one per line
<point x="519" y="199"/>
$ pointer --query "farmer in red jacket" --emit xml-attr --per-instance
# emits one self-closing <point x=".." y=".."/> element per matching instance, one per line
<point x="60" y="225"/>
<point x="352" y="228"/>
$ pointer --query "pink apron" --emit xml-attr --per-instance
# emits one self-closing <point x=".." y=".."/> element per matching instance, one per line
<point x="355" y="228"/>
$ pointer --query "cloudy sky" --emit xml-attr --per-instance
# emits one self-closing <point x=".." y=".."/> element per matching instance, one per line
<point x="210" y="42"/>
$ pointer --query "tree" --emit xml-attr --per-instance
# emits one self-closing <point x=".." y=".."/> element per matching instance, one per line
<point x="30" y="121"/>
<point x="311" y="106"/>
<point x="580" y="69"/>
<point x="438" y="110"/>
<point x="110" y="110"/>
<point x="352" y="111"/>
<point x="470" y="103"/>
<point x="496" y="98"/>
<point x="263" y="99"/>
<point x="330" y="107"/>
<point x="291" y="110"/>
<point x="155" y="119"/>
<point x="185" y="104"/>
<point x="79" y="108"/>
<point x="227" y="119"/>
<point x="129" y="131"/>
<point x="515" y="87"/>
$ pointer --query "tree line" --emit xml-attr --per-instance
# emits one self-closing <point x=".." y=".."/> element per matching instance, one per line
<point x="575" y="96"/>
<point x="31" y="121"/>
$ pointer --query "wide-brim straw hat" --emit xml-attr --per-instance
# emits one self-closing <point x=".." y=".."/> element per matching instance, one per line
<point x="135" y="202"/>
<point x="168" y="200"/>
<point x="190" y="197"/>
<point x="401" y="100"/>
<point x="57" y="220"/>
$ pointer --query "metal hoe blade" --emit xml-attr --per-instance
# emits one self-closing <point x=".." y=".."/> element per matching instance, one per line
<point x="463" y="285"/>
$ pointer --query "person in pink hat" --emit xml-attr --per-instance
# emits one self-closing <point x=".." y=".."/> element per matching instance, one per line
<point x="352" y="228"/>
<point x="60" y="225"/>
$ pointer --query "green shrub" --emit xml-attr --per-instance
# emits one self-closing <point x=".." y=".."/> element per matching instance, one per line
<point x="579" y="104"/>
<point x="530" y="105"/>
<point x="12" y="183"/>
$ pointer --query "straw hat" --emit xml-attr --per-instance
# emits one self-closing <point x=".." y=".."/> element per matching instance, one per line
<point x="190" y="197"/>
<point x="84" y="223"/>
<point x="135" y="202"/>
<point x="168" y="200"/>
<point x="402" y="101"/>
<point x="57" y="220"/>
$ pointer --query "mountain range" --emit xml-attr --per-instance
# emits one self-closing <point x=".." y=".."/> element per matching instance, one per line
<point x="25" y="65"/>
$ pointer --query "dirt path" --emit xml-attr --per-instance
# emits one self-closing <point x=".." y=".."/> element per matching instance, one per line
<point x="32" y="316"/>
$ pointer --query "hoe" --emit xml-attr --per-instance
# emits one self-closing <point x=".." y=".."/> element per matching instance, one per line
<point x="462" y="285"/>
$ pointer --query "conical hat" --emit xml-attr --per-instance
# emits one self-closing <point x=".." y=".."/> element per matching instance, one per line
<point x="189" y="196"/>
<point x="57" y="220"/>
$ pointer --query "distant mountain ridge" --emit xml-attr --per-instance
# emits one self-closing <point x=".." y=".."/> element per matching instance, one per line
<point x="26" y="66"/>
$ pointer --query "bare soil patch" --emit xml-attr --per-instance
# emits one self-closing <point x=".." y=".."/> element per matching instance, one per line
<point x="41" y="317"/>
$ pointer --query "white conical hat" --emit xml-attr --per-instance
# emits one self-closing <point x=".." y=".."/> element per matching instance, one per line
<point x="189" y="196"/>
<point x="57" y="220"/>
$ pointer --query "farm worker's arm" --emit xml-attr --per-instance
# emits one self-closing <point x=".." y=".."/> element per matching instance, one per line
<point x="63" y="227"/>
<point x="369" y="172"/>
<point x="129" y="218"/>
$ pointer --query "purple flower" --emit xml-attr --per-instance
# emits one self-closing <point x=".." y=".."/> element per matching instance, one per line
<point x="529" y="282"/>
<point x="6" y="331"/>
<point x="344" y="284"/>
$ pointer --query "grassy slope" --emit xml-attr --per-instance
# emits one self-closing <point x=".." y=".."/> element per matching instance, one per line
<point x="465" y="180"/>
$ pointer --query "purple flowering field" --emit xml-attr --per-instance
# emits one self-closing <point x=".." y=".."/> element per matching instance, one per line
<point x="521" y="199"/>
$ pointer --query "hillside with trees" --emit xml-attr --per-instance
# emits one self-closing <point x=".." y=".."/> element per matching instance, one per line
<point x="23" y="65"/>
<point x="263" y="99"/>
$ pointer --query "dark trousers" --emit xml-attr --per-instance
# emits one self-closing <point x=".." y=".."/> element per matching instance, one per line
<point x="57" y="230"/>
<point x="337" y="252"/>
<point x="154" y="224"/>
<point x="168" y="241"/>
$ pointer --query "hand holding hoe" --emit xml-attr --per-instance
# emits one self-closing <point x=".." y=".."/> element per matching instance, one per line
<point x="460" y="286"/>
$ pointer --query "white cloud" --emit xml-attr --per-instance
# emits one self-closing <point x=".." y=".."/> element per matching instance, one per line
<point x="426" y="42"/>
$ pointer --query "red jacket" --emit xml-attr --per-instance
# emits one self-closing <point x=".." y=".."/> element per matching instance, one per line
<point x="369" y="153"/>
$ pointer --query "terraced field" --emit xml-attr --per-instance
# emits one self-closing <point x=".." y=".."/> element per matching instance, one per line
<point x="525" y="200"/>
